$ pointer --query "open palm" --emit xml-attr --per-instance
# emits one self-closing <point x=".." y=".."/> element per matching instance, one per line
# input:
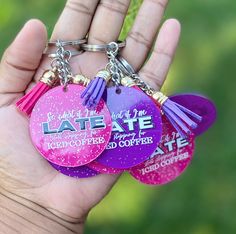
<point x="23" y="171"/>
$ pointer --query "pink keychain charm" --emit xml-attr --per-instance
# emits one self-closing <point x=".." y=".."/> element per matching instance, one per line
<point x="136" y="131"/>
<point x="65" y="132"/>
<point x="170" y="159"/>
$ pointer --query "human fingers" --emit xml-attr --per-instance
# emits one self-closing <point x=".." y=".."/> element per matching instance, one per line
<point x="75" y="20"/>
<point x="108" y="21"/>
<point x="142" y="34"/>
<point x="21" y="60"/>
<point x="157" y="67"/>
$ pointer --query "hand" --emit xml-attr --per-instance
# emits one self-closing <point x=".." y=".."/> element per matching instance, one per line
<point x="23" y="172"/>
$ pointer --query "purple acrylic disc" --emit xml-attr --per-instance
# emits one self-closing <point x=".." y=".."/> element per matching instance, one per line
<point x="76" y="172"/>
<point x="201" y="106"/>
<point x="104" y="169"/>
<point x="136" y="128"/>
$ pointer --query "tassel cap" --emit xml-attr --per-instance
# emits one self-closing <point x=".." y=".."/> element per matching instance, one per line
<point x="104" y="75"/>
<point x="160" y="98"/>
<point x="49" y="78"/>
<point x="81" y="80"/>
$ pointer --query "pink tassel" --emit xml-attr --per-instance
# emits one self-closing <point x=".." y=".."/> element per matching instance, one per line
<point x="28" y="101"/>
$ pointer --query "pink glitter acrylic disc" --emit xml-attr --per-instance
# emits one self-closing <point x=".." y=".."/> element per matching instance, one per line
<point x="65" y="132"/>
<point x="170" y="159"/>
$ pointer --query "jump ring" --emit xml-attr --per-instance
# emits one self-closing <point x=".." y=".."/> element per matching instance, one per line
<point x="72" y="53"/>
<point x="101" y="48"/>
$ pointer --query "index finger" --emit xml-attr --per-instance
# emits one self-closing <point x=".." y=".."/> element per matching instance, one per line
<point x="75" y="20"/>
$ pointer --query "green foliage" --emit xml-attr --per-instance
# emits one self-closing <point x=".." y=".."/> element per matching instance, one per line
<point x="203" y="199"/>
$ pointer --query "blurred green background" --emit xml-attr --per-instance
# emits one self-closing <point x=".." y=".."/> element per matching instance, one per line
<point x="203" y="199"/>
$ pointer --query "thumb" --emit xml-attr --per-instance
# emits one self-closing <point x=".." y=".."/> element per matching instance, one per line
<point x="21" y="59"/>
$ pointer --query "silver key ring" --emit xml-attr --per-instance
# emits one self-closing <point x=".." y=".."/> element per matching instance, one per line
<point x="128" y="70"/>
<point x="100" y="48"/>
<point x="125" y="67"/>
<point x="68" y="43"/>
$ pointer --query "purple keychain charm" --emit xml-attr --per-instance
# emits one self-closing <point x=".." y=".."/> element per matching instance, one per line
<point x="184" y="119"/>
<point x="199" y="105"/>
<point x="171" y="158"/>
<point x="136" y="128"/>
<point x="76" y="172"/>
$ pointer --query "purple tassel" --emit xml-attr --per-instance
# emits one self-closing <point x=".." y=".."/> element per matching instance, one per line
<point x="94" y="91"/>
<point x="181" y="133"/>
<point x="178" y="115"/>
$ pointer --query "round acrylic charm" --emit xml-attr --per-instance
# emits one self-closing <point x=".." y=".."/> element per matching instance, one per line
<point x="65" y="132"/>
<point x="76" y="172"/>
<point x="201" y="106"/>
<point x="136" y="128"/>
<point x="170" y="159"/>
<point x="104" y="169"/>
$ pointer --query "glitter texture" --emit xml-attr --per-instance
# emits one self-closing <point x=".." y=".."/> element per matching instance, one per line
<point x="199" y="105"/>
<point x="129" y="147"/>
<point x="67" y="147"/>
<point x="169" y="161"/>
<point x="76" y="172"/>
<point x="104" y="169"/>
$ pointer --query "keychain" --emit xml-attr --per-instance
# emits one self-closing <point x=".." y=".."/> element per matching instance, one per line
<point x="175" y="151"/>
<point x="191" y="113"/>
<point x="62" y="129"/>
<point x="136" y="122"/>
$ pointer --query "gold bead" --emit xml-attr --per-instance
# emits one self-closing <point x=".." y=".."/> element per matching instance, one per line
<point x="127" y="81"/>
<point x="49" y="77"/>
<point x="81" y="80"/>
